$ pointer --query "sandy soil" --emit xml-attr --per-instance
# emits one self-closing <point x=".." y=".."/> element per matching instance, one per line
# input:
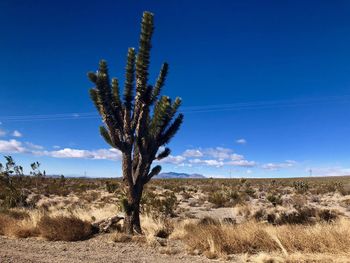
<point x="99" y="249"/>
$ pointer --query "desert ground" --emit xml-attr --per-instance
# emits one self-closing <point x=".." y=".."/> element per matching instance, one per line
<point x="183" y="220"/>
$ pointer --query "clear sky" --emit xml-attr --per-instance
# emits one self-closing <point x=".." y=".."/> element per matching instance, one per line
<point x="265" y="84"/>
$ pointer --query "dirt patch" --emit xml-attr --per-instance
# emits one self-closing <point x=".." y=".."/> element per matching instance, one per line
<point x="98" y="249"/>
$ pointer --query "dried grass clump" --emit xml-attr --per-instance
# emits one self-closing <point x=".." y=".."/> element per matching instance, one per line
<point x="6" y="222"/>
<point x="17" y="224"/>
<point x="253" y="237"/>
<point x="64" y="228"/>
<point x="121" y="237"/>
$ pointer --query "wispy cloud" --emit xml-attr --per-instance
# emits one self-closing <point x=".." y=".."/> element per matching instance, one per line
<point x="171" y="159"/>
<point x="32" y="146"/>
<point x="330" y="171"/>
<point x="192" y="153"/>
<point x="277" y="166"/>
<point x="242" y="163"/>
<point x="2" y="133"/>
<point x="16" y="133"/>
<point x="101" y="154"/>
<point x="210" y="162"/>
<point x="241" y="141"/>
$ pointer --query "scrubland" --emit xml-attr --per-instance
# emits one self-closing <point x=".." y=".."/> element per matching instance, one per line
<point x="198" y="220"/>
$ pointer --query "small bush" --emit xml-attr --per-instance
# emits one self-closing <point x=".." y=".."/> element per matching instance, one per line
<point x="220" y="199"/>
<point x="16" y="214"/>
<point x="301" y="187"/>
<point x="25" y="231"/>
<point x="327" y="215"/>
<point x="157" y="205"/>
<point x="64" y="228"/>
<point x="5" y="222"/>
<point x="111" y="187"/>
<point x="274" y="199"/>
<point x="208" y="221"/>
<point x="303" y="215"/>
<point x="121" y="238"/>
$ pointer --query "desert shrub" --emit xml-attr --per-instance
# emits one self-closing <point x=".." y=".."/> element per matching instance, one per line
<point x="157" y="205"/>
<point x="207" y="220"/>
<point x="242" y="181"/>
<point x="259" y="215"/>
<point x="65" y="228"/>
<point x="327" y="215"/>
<point x="303" y="215"/>
<point x="301" y="187"/>
<point x="121" y="238"/>
<point x="186" y="195"/>
<point x="23" y="231"/>
<point x="274" y="199"/>
<point x="11" y="199"/>
<point x="5" y="222"/>
<point x="250" y="192"/>
<point x="15" y="214"/>
<point x="164" y="231"/>
<point x="111" y="187"/>
<point x="13" y="223"/>
<point x="218" y="199"/>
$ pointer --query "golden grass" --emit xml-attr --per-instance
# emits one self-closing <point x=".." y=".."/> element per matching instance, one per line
<point x="51" y="227"/>
<point x="253" y="238"/>
<point x="64" y="228"/>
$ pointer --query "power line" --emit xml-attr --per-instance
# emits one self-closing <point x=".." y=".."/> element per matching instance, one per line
<point x="190" y="109"/>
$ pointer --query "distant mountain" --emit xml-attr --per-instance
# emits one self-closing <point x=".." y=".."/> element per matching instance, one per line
<point x="172" y="175"/>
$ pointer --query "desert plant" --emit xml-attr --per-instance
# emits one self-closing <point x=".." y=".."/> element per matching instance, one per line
<point x="301" y="187"/>
<point x="219" y="199"/>
<point x="274" y="199"/>
<point x="130" y="125"/>
<point x="64" y="228"/>
<point x="111" y="187"/>
<point x="158" y="206"/>
<point x="12" y="196"/>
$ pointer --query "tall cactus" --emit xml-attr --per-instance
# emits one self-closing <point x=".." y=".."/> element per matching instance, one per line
<point x="137" y="122"/>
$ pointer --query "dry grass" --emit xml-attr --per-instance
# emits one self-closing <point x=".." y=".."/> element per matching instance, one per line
<point x="64" y="228"/>
<point x="252" y="238"/>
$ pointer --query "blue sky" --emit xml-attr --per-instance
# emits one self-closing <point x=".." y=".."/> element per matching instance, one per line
<point x="265" y="84"/>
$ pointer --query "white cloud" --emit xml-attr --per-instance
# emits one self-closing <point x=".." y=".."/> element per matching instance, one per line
<point x="242" y="163"/>
<point x="217" y="156"/>
<point x="192" y="153"/>
<point x="329" y="171"/>
<point x="11" y="146"/>
<point x="33" y="146"/>
<point x="207" y="162"/>
<point x="101" y="154"/>
<point x="56" y="147"/>
<point x="236" y="157"/>
<point x="218" y="153"/>
<point x="277" y="166"/>
<point x="2" y="133"/>
<point x="16" y="134"/>
<point x="171" y="159"/>
<point x="241" y="141"/>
